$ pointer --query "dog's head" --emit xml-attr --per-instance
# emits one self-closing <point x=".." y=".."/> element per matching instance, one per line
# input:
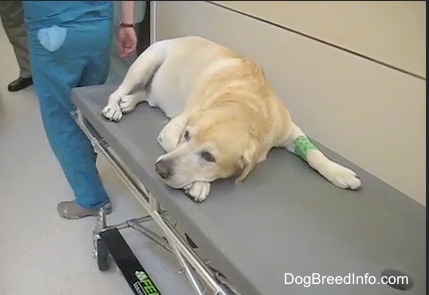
<point x="215" y="143"/>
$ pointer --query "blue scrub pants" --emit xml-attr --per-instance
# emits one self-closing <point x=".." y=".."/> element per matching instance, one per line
<point x="82" y="60"/>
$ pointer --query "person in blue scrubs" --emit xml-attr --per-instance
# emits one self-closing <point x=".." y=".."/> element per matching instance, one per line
<point x="70" y="45"/>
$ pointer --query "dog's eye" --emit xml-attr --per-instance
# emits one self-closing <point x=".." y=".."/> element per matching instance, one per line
<point x="208" y="156"/>
<point x="186" y="135"/>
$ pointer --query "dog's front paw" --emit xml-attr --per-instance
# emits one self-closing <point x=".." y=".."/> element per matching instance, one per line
<point x="166" y="142"/>
<point x="342" y="177"/>
<point x="198" y="190"/>
<point x="112" y="112"/>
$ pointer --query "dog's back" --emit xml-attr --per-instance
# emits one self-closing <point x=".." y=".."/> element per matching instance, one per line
<point x="189" y="61"/>
<point x="197" y="72"/>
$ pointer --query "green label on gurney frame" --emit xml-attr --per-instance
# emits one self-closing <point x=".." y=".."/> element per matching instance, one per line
<point x="144" y="285"/>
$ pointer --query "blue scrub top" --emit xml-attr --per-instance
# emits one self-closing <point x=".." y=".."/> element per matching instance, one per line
<point x="42" y="14"/>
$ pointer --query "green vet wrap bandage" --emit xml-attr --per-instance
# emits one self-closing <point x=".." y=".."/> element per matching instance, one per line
<point x="302" y="145"/>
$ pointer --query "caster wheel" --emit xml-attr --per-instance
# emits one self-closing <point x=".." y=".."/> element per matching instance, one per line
<point x="103" y="258"/>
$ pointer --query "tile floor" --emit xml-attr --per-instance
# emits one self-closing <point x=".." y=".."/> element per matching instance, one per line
<point x="40" y="253"/>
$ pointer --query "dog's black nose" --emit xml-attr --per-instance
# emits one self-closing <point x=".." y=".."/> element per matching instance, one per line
<point x="164" y="168"/>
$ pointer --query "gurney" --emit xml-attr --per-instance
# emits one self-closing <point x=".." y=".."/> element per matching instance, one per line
<point x="265" y="236"/>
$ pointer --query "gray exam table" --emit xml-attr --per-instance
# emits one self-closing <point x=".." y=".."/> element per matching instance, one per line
<point x="284" y="218"/>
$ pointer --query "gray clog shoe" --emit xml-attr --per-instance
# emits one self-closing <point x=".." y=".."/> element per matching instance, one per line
<point x="71" y="210"/>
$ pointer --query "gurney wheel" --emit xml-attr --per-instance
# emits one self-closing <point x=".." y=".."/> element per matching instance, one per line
<point x="103" y="258"/>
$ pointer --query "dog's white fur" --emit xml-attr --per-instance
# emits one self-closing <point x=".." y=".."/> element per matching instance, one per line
<point x="225" y="117"/>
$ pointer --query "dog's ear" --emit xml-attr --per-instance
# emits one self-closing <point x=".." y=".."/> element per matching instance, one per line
<point x="247" y="161"/>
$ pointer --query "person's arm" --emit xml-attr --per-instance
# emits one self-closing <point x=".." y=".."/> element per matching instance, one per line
<point x="127" y="12"/>
<point x="127" y="34"/>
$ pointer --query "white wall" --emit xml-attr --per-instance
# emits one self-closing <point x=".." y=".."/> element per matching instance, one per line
<point x="368" y="107"/>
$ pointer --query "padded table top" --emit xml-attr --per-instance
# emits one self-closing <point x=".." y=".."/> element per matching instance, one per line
<point x="284" y="218"/>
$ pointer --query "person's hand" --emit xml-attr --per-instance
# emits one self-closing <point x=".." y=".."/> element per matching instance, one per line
<point x="127" y="41"/>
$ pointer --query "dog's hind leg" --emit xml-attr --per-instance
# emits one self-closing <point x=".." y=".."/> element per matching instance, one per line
<point x="298" y="143"/>
<point x="139" y="74"/>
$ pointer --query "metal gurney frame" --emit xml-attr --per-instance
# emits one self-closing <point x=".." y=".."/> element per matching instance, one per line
<point x="198" y="272"/>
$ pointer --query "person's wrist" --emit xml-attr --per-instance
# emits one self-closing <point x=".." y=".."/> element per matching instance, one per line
<point x="126" y="25"/>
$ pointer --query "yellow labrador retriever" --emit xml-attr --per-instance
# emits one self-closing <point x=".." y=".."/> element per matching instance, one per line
<point x="225" y="117"/>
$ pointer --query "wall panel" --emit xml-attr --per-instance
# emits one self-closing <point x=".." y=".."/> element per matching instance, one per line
<point x="393" y="32"/>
